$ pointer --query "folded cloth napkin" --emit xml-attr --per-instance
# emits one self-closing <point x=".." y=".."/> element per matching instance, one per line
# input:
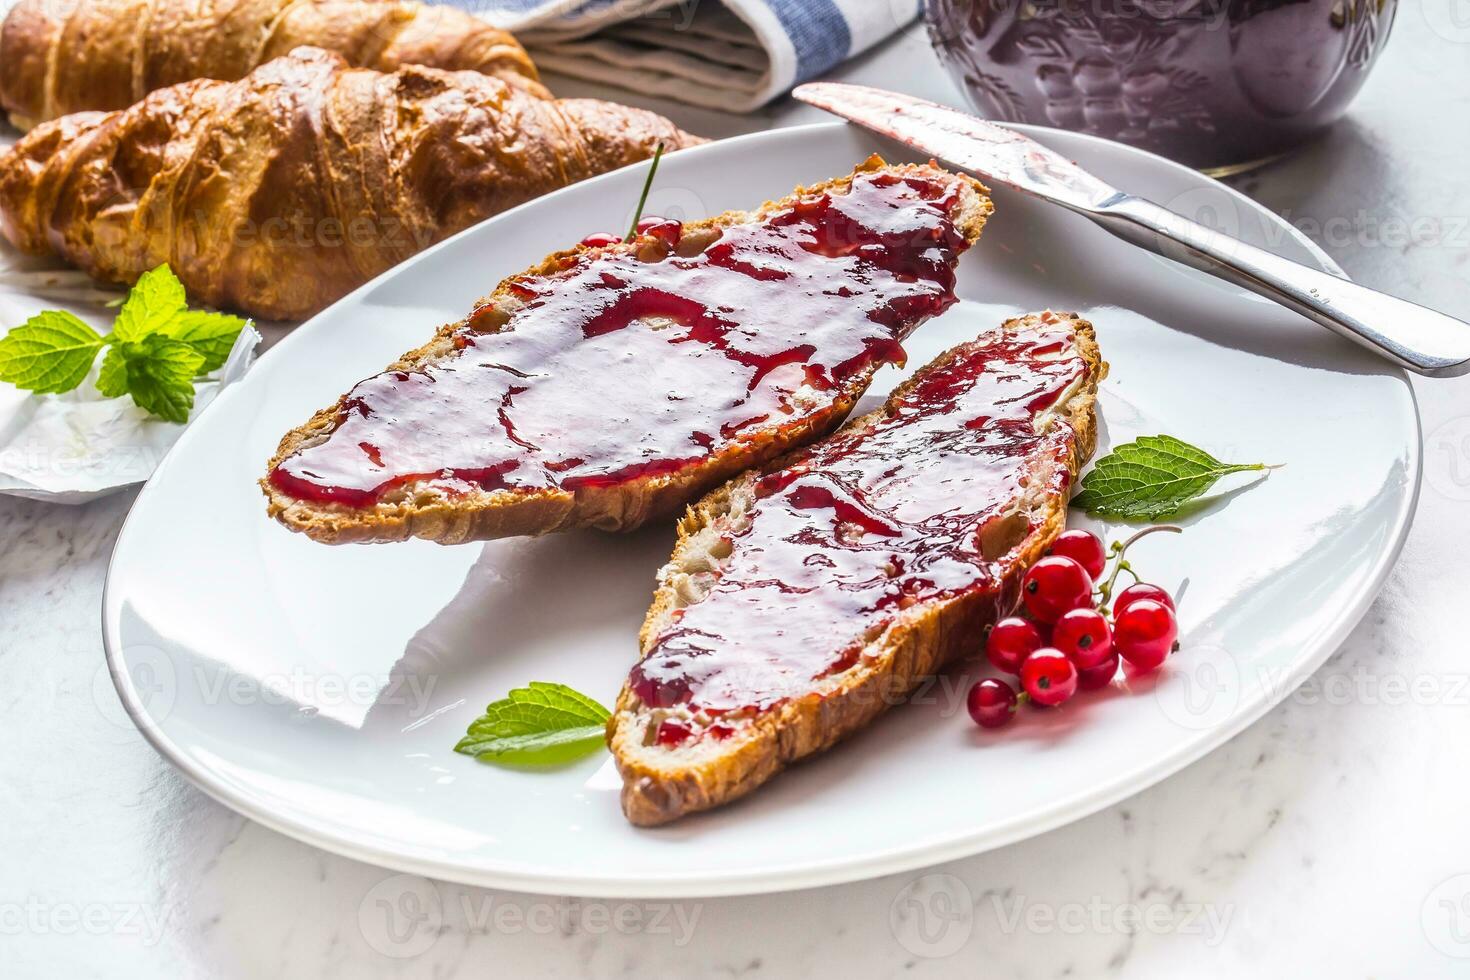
<point x="734" y="55"/>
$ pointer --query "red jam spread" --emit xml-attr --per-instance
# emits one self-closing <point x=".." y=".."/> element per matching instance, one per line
<point x="866" y="524"/>
<point x="617" y="368"/>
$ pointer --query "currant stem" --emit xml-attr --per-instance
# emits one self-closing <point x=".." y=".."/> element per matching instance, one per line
<point x="1121" y="550"/>
<point x="658" y="155"/>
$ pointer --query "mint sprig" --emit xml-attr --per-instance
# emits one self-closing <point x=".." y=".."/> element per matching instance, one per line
<point x="156" y="349"/>
<point x="1151" y="478"/>
<point x="542" y="724"/>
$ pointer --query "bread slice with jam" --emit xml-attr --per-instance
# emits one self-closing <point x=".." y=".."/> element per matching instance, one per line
<point x="606" y="387"/>
<point x="803" y="600"/>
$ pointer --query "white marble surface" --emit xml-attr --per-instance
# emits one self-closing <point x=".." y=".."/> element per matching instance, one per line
<point x="1328" y="840"/>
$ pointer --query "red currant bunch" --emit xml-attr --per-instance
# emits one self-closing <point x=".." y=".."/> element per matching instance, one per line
<point x="1067" y="641"/>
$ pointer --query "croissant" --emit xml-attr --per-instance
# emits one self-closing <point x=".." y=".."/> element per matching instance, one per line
<point x="279" y="193"/>
<point x="63" y="56"/>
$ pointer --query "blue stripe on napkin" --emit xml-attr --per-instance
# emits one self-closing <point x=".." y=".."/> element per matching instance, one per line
<point x="818" y="32"/>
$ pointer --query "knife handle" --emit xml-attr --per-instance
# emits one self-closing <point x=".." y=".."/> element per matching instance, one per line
<point x="1413" y="336"/>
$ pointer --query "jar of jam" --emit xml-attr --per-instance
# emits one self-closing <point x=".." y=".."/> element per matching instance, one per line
<point x="1222" y="85"/>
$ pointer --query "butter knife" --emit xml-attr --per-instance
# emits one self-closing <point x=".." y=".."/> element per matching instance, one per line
<point x="1412" y="336"/>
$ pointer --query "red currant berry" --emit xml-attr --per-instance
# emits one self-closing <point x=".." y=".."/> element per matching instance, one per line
<point x="1145" y="632"/>
<point x="1141" y="590"/>
<point x="1011" y="641"/>
<point x="601" y="239"/>
<point x="1092" y="678"/>
<point x="1083" y="635"/>
<point x="1054" y="585"/>
<point x="1049" y="677"/>
<point x="667" y="229"/>
<point x="992" y="703"/>
<point x="1083" y="547"/>
<point x="648" y="221"/>
<point x="672" y="232"/>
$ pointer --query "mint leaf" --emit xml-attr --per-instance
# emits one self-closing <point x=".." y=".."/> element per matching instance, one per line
<point x="211" y="334"/>
<point x="157" y="347"/>
<point x="543" y="724"/>
<point x="112" y="378"/>
<point x="156" y="298"/>
<point x="157" y="371"/>
<point x="1152" y="477"/>
<point x="49" y="353"/>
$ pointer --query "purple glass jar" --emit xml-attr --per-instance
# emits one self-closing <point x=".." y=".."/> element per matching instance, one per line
<point x="1217" y="84"/>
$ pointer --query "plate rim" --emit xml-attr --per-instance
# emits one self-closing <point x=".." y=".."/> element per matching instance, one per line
<point x="815" y="873"/>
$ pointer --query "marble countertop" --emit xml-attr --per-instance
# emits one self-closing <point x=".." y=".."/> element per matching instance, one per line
<point x="1327" y="840"/>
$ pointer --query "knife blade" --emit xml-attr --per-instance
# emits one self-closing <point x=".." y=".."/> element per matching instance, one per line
<point x="962" y="140"/>
<point x="1412" y="336"/>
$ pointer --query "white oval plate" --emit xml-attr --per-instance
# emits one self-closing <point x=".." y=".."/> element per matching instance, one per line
<point x="321" y="690"/>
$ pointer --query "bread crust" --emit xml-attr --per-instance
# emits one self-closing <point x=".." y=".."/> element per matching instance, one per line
<point x="417" y="512"/>
<point x="660" y="786"/>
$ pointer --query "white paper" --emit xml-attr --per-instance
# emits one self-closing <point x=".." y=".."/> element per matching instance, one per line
<point x="78" y="446"/>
